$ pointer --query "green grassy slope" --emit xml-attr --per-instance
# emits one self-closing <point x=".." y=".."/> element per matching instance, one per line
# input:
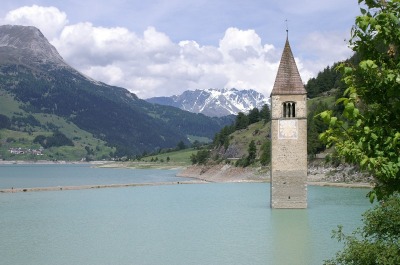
<point x="259" y="132"/>
<point x="22" y="136"/>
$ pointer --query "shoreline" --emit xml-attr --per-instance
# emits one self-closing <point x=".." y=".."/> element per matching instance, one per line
<point x="193" y="181"/>
<point x="99" y="163"/>
<point x="48" y="162"/>
<point x="232" y="174"/>
<point x="194" y="174"/>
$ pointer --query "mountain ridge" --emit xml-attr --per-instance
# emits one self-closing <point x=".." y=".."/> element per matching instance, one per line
<point x="214" y="102"/>
<point x="33" y="72"/>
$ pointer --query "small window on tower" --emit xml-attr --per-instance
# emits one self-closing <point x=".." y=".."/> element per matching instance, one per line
<point x="289" y="109"/>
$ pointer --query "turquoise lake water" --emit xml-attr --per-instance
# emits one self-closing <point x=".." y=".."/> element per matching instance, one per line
<point x="217" y="223"/>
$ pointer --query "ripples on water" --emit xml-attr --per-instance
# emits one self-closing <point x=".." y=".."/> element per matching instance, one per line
<point x="177" y="224"/>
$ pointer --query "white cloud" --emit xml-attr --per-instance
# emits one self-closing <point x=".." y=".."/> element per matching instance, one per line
<point x="325" y="48"/>
<point x="49" y="20"/>
<point x="151" y="64"/>
<point x="84" y="45"/>
<point x="108" y="74"/>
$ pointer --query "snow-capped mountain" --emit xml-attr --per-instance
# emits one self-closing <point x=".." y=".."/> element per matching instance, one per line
<point x="214" y="102"/>
<point x="34" y="75"/>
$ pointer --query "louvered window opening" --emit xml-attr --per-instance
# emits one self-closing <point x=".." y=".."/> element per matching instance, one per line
<point x="289" y="109"/>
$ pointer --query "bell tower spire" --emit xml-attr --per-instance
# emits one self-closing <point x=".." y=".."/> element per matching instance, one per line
<point x="288" y="135"/>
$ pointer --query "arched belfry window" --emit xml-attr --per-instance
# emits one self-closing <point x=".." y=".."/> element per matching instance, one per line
<point x="289" y="109"/>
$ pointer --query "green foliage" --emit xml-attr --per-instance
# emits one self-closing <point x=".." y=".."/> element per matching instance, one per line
<point x="196" y="144"/>
<point x="367" y="132"/>
<point x="377" y="242"/>
<point x="250" y="158"/>
<point x="111" y="114"/>
<point x="200" y="157"/>
<point x="5" y="122"/>
<point x="25" y="121"/>
<point x="265" y="113"/>
<point x="242" y="121"/>
<point x="176" y="157"/>
<point x="326" y="80"/>
<point x="25" y="140"/>
<point x="315" y="126"/>
<point x="252" y="150"/>
<point x="199" y="140"/>
<point x="257" y="131"/>
<point x="254" y="116"/>
<point x="222" y="138"/>
<point x="181" y="145"/>
<point x="265" y="157"/>
<point x="57" y="139"/>
<point x="242" y="162"/>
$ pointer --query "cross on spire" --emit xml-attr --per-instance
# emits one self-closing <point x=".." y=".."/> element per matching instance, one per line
<point x="287" y="27"/>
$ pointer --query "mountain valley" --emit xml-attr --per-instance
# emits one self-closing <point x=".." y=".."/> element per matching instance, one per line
<point x="36" y="82"/>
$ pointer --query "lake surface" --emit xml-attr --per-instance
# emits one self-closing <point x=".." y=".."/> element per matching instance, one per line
<point x="217" y="223"/>
<point x="54" y="175"/>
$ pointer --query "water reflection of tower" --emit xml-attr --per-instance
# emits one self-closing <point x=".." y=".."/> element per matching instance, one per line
<point x="291" y="237"/>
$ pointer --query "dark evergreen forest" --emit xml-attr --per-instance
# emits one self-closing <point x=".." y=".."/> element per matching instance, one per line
<point x="110" y="113"/>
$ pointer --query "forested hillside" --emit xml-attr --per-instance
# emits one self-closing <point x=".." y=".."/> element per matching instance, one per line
<point x="247" y="140"/>
<point x="34" y="76"/>
<point x="328" y="81"/>
<point x="111" y="114"/>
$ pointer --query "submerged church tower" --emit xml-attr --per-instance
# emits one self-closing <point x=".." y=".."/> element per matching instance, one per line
<point x="288" y="136"/>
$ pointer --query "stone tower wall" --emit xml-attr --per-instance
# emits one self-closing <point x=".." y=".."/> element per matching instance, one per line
<point x="289" y="153"/>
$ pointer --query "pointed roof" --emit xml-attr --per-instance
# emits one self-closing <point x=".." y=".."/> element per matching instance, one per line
<point x="288" y="80"/>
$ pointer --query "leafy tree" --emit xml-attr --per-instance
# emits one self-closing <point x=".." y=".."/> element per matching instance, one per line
<point x="367" y="132"/>
<point x="377" y="242"/>
<point x="315" y="126"/>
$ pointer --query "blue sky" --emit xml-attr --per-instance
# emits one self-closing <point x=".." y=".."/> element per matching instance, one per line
<point x="163" y="47"/>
